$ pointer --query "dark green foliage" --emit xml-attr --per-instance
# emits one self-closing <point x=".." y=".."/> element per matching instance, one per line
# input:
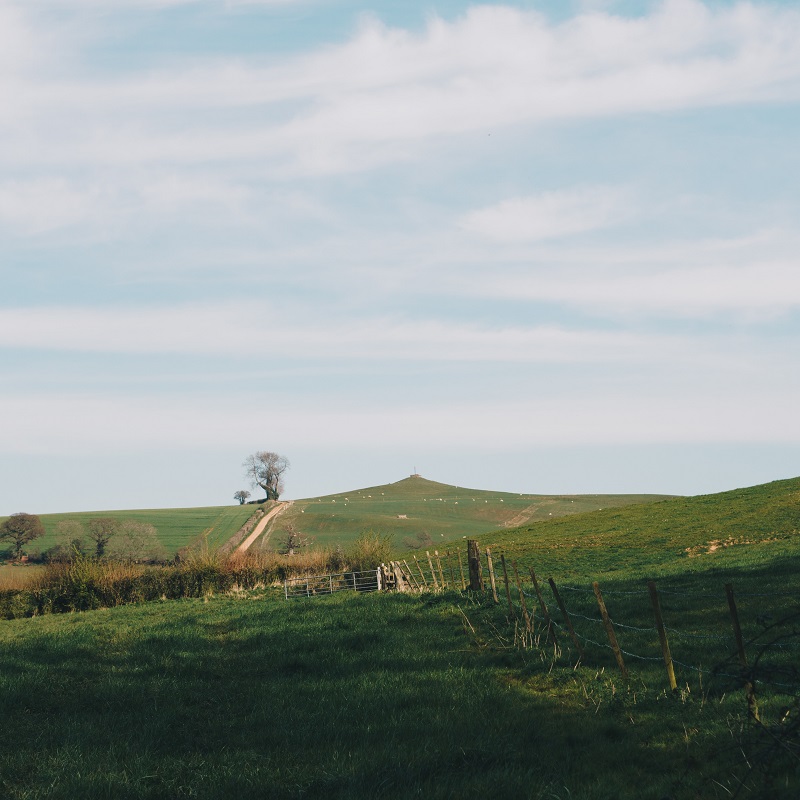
<point x="21" y="529"/>
<point x="100" y="531"/>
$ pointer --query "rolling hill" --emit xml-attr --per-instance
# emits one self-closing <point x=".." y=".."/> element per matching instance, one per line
<point x="416" y="511"/>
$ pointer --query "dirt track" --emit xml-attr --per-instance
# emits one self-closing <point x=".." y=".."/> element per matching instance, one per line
<point x="262" y="525"/>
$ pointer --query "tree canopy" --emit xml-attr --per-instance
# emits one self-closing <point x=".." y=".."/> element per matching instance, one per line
<point x="101" y="529"/>
<point x="265" y="469"/>
<point x="20" y="529"/>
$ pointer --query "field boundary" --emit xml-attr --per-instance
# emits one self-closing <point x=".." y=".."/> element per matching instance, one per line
<point x="686" y="635"/>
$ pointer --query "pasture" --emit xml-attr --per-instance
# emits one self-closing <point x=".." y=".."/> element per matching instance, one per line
<point x="343" y="697"/>
<point x="416" y="507"/>
<point x="408" y="509"/>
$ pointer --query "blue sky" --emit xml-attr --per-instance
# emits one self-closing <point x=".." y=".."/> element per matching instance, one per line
<point x="532" y="246"/>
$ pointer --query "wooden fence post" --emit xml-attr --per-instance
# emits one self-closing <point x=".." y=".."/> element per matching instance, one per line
<point x="474" y="563"/>
<point x="414" y="582"/>
<point x="551" y="631"/>
<point x="448" y="556"/>
<point x="505" y="578"/>
<point x="612" y="637"/>
<point x="461" y="570"/>
<point x="421" y="573"/>
<point x="749" y="688"/>
<point x="439" y="565"/>
<point x="528" y="623"/>
<point x="566" y="618"/>
<point x="433" y="574"/>
<point x="491" y="574"/>
<point x="662" y="635"/>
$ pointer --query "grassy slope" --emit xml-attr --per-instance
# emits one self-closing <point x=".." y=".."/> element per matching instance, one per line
<point x="680" y="535"/>
<point x="444" y="512"/>
<point x="340" y="698"/>
<point x="691" y="547"/>
<point x="177" y="527"/>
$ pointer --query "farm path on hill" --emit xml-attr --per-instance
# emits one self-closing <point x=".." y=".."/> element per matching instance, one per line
<point x="269" y="517"/>
<point x="522" y="517"/>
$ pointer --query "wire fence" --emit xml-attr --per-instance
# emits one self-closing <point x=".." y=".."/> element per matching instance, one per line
<point x="748" y="640"/>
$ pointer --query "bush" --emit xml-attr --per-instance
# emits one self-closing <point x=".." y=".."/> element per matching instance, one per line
<point x="370" y="550"/>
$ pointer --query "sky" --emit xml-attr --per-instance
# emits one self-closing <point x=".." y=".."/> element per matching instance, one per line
<point x="540" y="246"/>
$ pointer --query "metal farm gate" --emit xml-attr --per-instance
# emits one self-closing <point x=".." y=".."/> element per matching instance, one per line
<point x="311" y="585"/>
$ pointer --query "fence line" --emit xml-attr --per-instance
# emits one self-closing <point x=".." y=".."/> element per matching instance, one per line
<point x="582" y="606"/>
<point x="580" y="599"/>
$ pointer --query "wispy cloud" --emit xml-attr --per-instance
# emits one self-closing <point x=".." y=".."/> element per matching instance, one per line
<point x="758" y="289"/>
<point x="235" y="330"/>
<point x="78" y="423"/>
<point x="384" y="93"/>
<point x="550" y="215"/>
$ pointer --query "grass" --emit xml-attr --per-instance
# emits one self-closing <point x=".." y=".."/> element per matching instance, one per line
<point x="342" y="697"/>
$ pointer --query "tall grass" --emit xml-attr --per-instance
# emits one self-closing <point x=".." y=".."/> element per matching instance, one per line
<point x="15" y="576"/>
<point x="85" y="583"/>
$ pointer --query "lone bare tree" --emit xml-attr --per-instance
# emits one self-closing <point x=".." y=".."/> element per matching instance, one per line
<point x="241" y="496"/>
<point x="265" y="469"/>
<point x="292" y="540"/>
<point x="21" y="529"/>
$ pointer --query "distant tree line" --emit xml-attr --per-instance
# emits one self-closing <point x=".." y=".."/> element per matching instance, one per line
<point x="101" y="537"/>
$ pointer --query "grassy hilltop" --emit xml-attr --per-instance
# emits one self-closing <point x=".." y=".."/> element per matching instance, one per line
<point x="416" y="506"/>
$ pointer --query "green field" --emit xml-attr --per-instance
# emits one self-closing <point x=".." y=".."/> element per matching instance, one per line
<point x="416" y="506"/>
<point x="176" y="527"/>
<point x="436" y="695"/>
<point x="406" y="509"/>
<point x="346" y="697"/>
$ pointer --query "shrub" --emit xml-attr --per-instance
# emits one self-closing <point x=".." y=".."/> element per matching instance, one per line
<point x="370" y="550"/>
